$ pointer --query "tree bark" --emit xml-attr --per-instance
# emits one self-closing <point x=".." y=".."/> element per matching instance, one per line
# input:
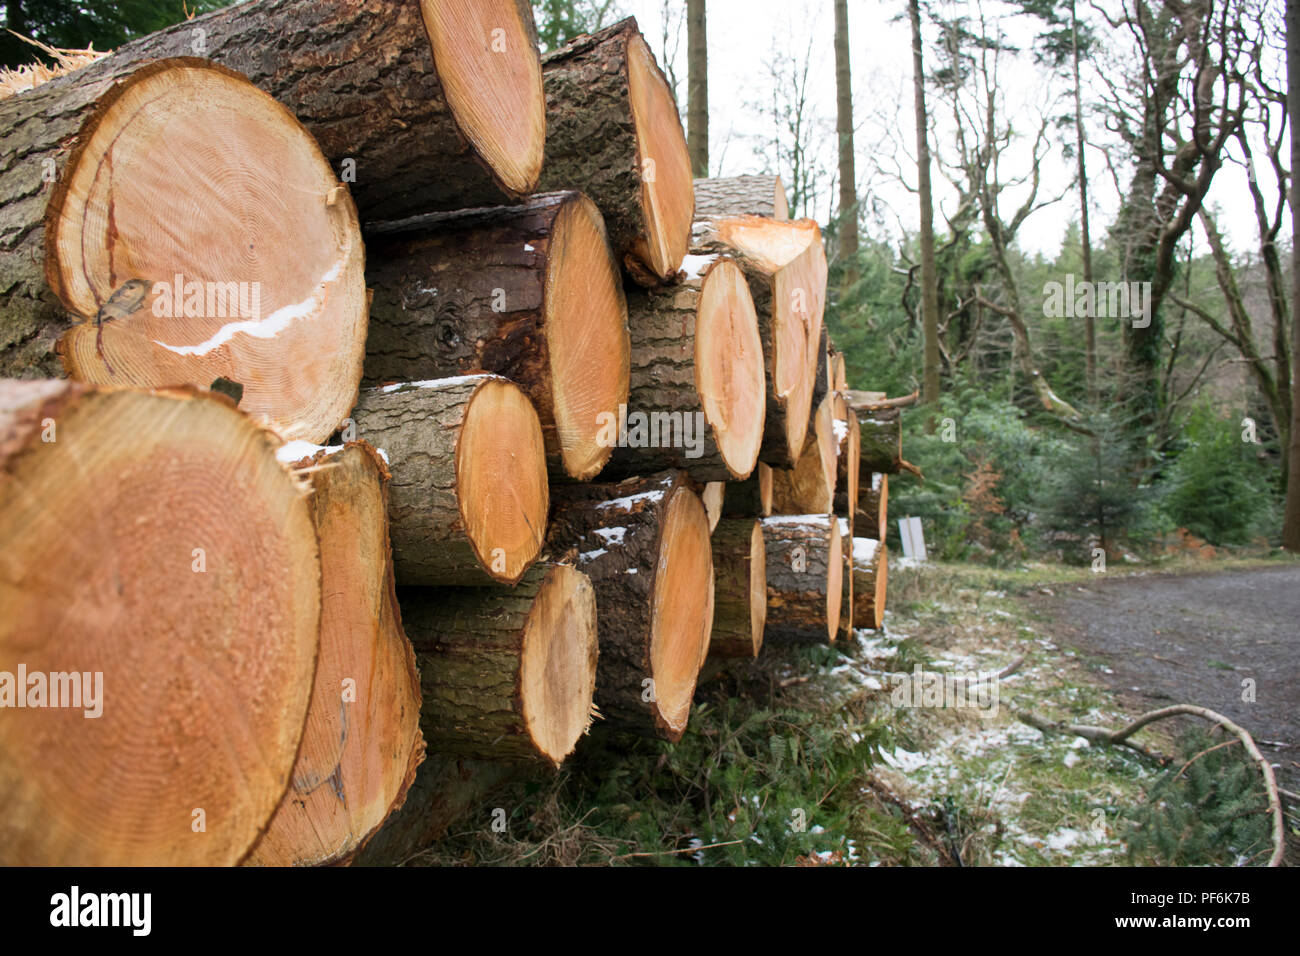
<point x="872" y="516"/>
<point x="725" y="197"/>
<point x="750" y="498"/>
<point x="507" y="673"/>
<point x="1291" y="520"/>
<point x="740" y="588"/>
<point x="696" y="396"/>
<point x="804" y="568"/>
<point x="435" y="107"/>
<point x="882" y="442"/>
<point x="529" y="292"/>
<point x="697" y="83"/>
<point x="645" y="545"/>
<point x="447" y="790"/>
<point x="155" y="548"/>
<point x="362" y="743"/>
<point x="848" y="212"/>
<point x="870" y="573"/>
<point x="612" y="130"/>
<point x="929" y="275"/>
<point x="1080" y="143"/>
<point x="99" y="288"/>
<point x="468" y="499"/>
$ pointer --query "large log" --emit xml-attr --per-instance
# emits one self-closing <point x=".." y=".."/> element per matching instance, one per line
<point x="612" y="130"/>
<point x="645" y="545"/>
<point x="881" y="447"/>
<point x="507" y="673"/>
<point x="421" y="104"/>
<point x="804" y="571"/>
<point x="721" y="198"/>
<point x="785" y="265"/>
<point x="872" y="517"/>
<point x="870" y="575"/>
<point x="696" y="396"/>
<point x="160" y="576"/>
<point x="740" y="588"/>
<point x="252" y="271"/>
<point x="362" y="742"/>
<point x="530" y="292"/>
<point x="751" y="498"/>
<point x="809" y="487"/>
<point x="469" y="497"/>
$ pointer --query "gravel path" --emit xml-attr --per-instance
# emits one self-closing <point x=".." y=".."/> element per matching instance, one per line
<point x="1195" y="639"/>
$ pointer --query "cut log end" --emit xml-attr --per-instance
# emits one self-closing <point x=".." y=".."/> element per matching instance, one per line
<point x="362" y="743"/>
<point x="587" y="339"/>
<point x="491" y="76"/>
<point x="729" y="366"/>
<point x="501" y="479"/>
<point x="193" y="284"/>
<point x="667" y="189"/>
<point x="683" y="610"/>
<point x="714" y="496"/>
<point x="154" y="512"/>
<point x="558" y="668"/>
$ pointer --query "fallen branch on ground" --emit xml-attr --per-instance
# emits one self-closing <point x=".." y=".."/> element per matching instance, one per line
<point x="1121" y="737"/>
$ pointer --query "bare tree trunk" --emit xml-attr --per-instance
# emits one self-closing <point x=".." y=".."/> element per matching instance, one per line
<point x="1291" y="522"/>
<point x="1089" y="322"/>
<point x="697" y="87"/>
<point x="929" y="279"/>
<point x="844" y="126"/>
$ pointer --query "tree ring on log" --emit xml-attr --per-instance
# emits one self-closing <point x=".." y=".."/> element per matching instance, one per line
<point x="557" y="674"/>
<point x="682" y="617"/>
<point x="667" y="189"/>
<point x="586" y="333"/>
<point x="158" y="543"/>
<point x="501" y="479"/>
<point x="727" y="346"/>
<point x="189" y="179"/>
<point x="491" y="76"/>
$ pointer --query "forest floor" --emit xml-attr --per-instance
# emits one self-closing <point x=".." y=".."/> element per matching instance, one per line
<point x="826" y="756"/>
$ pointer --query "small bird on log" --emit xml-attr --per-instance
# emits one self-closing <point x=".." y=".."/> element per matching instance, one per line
<point x="126" y="300"/>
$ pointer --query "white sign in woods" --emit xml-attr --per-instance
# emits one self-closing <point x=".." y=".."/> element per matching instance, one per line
<point x="913" y="539"/>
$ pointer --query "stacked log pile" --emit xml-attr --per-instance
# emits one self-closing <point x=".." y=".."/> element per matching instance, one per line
<point x="388" y="409"/>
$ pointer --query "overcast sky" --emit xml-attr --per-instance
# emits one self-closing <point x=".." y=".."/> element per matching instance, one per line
<point x="744" y="33"/>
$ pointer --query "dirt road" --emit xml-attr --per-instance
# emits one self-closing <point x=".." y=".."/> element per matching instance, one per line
<point x="1197" y="639"/>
